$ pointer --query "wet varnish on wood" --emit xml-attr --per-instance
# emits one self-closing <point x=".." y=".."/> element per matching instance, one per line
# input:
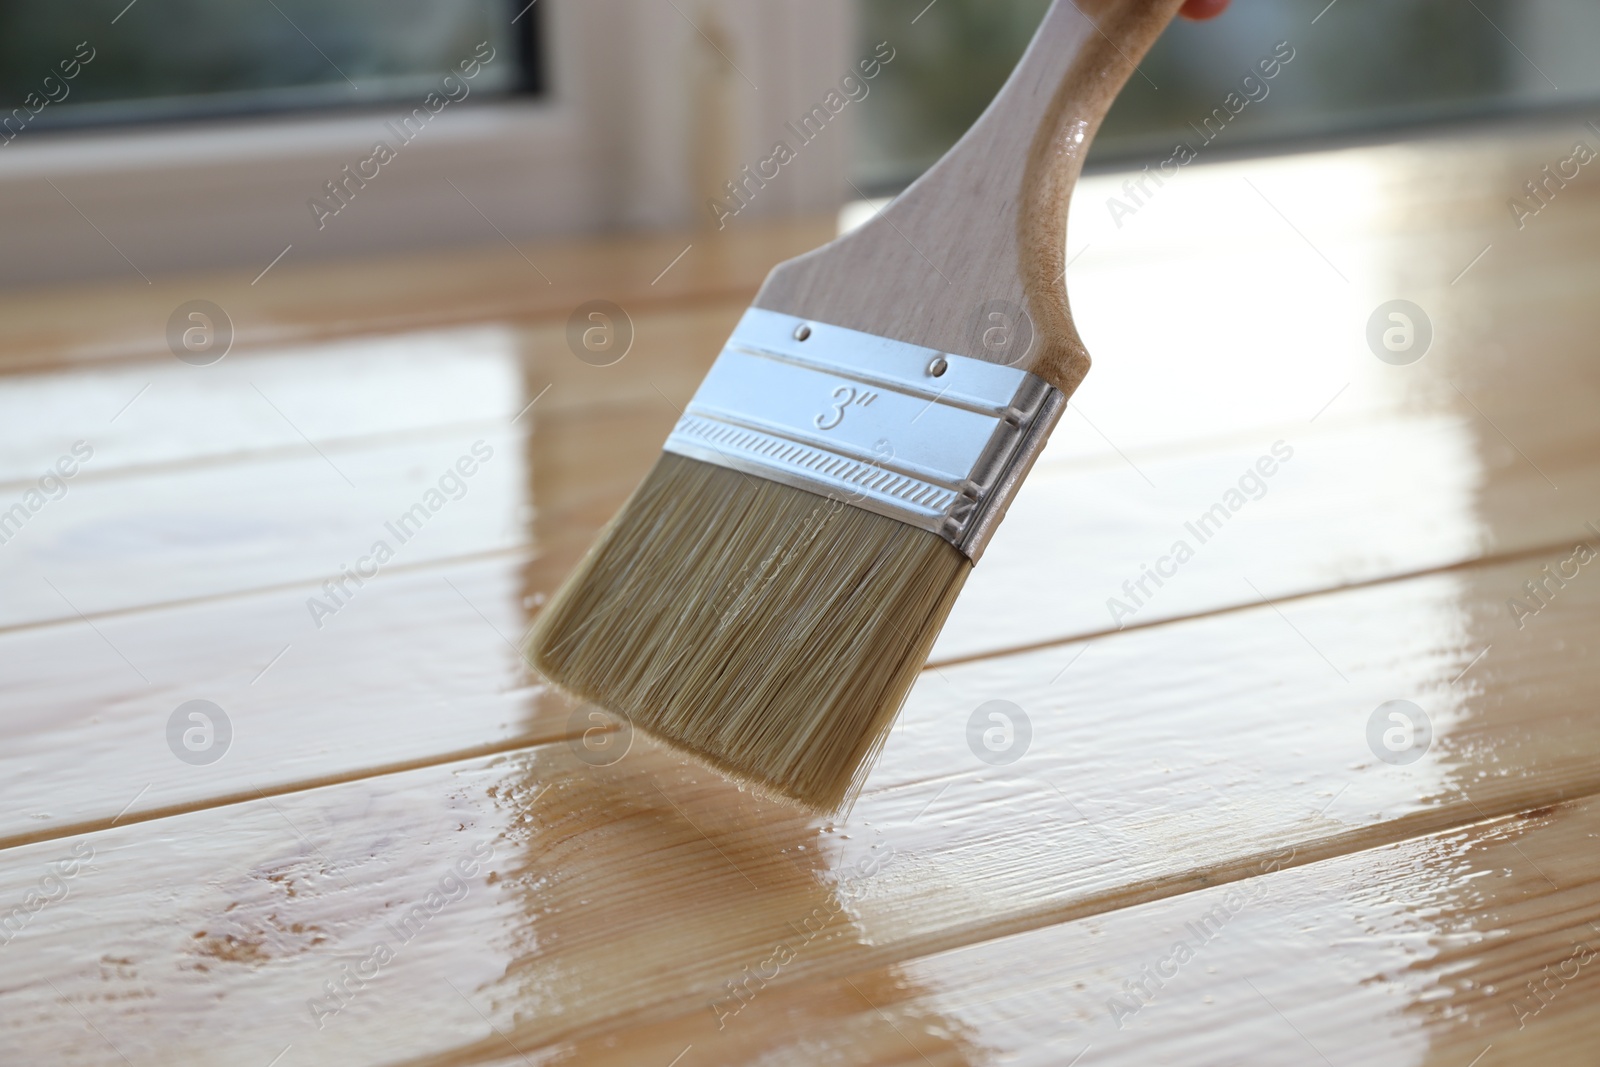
<point x="409" y="855"/>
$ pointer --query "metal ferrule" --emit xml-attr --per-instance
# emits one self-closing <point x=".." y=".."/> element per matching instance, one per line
<point x="939" y="441"/>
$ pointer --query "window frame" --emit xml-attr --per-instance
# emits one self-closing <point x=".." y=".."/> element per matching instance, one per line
<point x="610" y="143"/>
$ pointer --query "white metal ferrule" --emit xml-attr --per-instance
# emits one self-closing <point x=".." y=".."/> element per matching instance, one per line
<point x="936" y="440"/>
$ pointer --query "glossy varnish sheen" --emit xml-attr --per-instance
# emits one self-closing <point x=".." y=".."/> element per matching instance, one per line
<point x="399" y="777"/>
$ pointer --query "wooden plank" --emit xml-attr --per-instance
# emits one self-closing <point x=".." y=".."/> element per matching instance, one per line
<point x="1276" y="358"/>
<point x="1471" y="490"/>
<point x="173" y="534"/>
<point x="1342" y="510"/>
<point x="1474" y="946"/>
<point x="162" y="413"/>
<point x="1164" y="761"/>
<point x="168" y="536"/>
<point x="197" y="533"/>
<point x="1484" y="446"/>
<point x="413" y="669"/>
<point x="1281" y="328"/>
<point x="79" y="672"/>
<point x="419" y="664"/>
<point x="298" y="303"/>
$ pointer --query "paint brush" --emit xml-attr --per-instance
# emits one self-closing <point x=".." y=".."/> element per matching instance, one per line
<point x="770" y="592"/>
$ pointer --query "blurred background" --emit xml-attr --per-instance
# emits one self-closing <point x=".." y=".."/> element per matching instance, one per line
<point x="206" y="133"/>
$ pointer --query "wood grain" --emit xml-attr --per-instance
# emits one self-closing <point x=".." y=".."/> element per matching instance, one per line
<point x="1356" y="503"/>
<point x="1167" y="763"/>
<point x="163" y="533"/>
<point x="294" y="304"/>
<point x="270" y="474"/>
<point x="413" y="669"/>
<point x="130" y="667"/>
<point x="1476" y="945"/>
<point x="1163" y="762"/>
<point x="373" y="389"/>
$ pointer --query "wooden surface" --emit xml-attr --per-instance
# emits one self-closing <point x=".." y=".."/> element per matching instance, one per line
<point x="1199" y="770"/>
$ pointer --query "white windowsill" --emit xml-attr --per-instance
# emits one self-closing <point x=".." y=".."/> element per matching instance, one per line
<point x="36" y="154"/>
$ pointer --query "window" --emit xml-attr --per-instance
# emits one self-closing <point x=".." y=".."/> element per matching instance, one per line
<point x="1358" y="66"/>
<point x="206" y="136"/>
<point x="113" y="62"/>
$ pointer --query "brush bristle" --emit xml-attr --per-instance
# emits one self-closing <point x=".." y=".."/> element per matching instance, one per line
<point x="768" y="630"/>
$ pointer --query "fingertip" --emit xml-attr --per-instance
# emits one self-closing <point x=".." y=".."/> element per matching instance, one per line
<point x="1203" y="9"/>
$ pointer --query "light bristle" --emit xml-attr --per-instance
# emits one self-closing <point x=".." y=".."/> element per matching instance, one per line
<point x="768" y="630"/>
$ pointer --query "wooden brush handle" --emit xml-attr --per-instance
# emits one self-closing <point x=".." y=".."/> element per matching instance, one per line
<point x="983" y="232"/>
